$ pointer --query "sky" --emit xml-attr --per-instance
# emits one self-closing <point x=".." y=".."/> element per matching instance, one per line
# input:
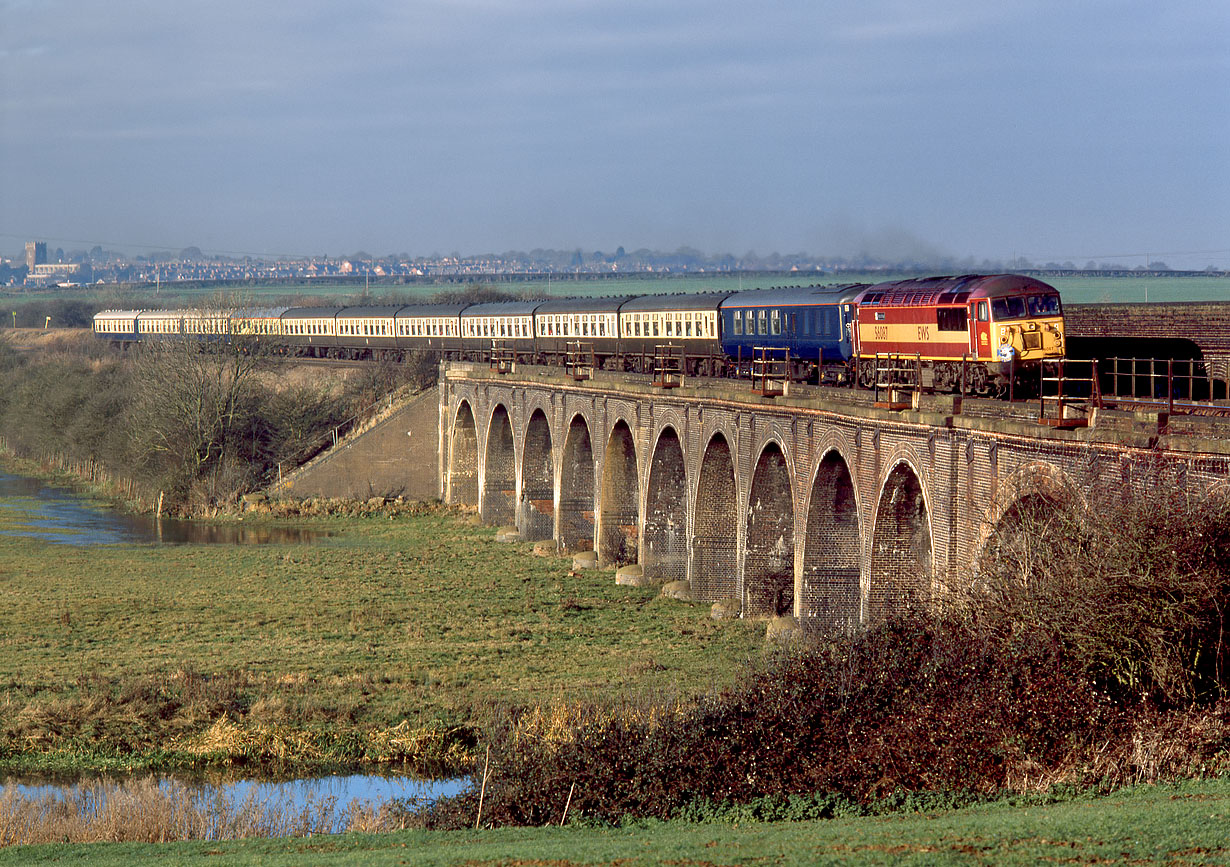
<point x="1054" y="130"/>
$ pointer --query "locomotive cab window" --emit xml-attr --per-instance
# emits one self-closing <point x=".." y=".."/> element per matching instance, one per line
<point x="1043" y="305"/>
<point x="983" y="312"/>
<point x="1008" y="308"/>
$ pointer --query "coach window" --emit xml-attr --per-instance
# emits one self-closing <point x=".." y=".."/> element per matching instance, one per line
<point x="762" y="322"/>
<point x="737" y="319"/>
<point x="775" y="322"/>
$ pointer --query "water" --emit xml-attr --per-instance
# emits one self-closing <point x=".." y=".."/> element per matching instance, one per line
<point x="35" y="509"/>
<point x="285" y="797"/>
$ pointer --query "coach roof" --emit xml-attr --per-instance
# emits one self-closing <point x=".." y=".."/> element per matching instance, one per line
<point x="785" y="296"/>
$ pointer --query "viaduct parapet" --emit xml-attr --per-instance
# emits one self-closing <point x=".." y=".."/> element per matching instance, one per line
<point x="805" y="504"/>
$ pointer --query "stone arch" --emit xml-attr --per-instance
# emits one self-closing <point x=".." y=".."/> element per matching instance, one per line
<point x="576" y="495"/>
<point x="619" y="522"/>
<point x="1035" y="505"/>
<point x="901" y="548"/>
<point x="499" y="470"/>
<point x="715" y="561"/>
<point x="665" y="546"/>
<point x="463" y="458"/>
<point x="768" y="559"/>
<point x="832" y="554"/>
<point x="536" y="512"/>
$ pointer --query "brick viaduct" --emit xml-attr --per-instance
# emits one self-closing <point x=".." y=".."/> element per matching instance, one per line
<point x="806" y="504"/>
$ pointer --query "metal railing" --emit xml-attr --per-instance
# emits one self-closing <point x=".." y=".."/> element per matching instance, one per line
<point x="770" y="370"/>
<point x="579" y="360"/>
<point x="1064" y="383"/>
<point x="896" y="372"/>
<point x="1176" y="386"/>
<point x="503" y="358"/>
<point x="1181" y="385"/>
<point x="668" y="366"/>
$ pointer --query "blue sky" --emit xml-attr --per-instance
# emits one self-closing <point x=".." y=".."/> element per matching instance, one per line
<point x="1058" y="131"/>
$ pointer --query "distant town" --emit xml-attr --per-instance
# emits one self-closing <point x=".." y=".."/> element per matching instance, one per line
<point x="44" y="268"/>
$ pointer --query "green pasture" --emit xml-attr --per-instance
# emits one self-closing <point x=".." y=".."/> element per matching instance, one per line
<point x="119" y="656"/>
<point x="1184" y="824"/>
<point x="1076" y="289"/>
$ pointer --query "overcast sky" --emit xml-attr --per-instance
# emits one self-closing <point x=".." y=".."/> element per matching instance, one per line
<point x="1066" y="130"/>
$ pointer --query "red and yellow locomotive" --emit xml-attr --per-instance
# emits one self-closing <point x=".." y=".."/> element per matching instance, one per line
<point x="982" y="330"/>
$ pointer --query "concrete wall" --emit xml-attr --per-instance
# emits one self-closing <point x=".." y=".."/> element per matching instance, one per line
<point x="395" y="457"/>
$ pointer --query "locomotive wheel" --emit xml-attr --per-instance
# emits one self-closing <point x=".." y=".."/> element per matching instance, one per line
<point x="946" y="376"/>
<point x="978" y="382"/>
<point x="866" y="373"/>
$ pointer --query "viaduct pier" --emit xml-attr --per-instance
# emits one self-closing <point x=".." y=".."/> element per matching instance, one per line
<point x="815" y="503"/>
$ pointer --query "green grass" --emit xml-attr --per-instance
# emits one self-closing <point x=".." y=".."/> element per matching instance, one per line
<point x="112" y="656"/>
<point x="1076" y="289"/>
<point x="1182" y="824"/>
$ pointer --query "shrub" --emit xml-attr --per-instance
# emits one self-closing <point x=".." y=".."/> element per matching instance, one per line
<point x="1137" y="592"/>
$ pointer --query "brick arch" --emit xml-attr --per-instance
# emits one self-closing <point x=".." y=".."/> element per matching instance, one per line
<point x="577" y="492"/>
<point x="665" y="544"/>
<point x="619" y="521"/>
<point x="499" y="497"/>
<point x="463" y="457"/>
<point x="768" y="558"/>
<point x="902" y="555"/>
<point x="1035" y="501"/>
<point x="831" y="593"/>
<point x="715" y="523"/>
<point x="536" y="509"/>
<point x="1034" y="479"/>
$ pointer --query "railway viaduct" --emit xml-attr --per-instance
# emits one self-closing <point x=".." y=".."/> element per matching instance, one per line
<point x="811" y="503"/>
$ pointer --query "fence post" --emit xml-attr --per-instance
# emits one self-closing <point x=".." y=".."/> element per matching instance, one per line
<point x="1170" y="386"/>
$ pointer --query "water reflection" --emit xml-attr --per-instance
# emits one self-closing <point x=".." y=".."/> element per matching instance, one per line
<point x="32" y="508"/>
<point x="331" y="802"/>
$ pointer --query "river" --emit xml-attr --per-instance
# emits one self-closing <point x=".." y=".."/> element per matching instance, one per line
<point x="37" y="509"/>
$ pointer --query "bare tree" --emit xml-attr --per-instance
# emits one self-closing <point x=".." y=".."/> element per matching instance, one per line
<point x="193" y="397"/>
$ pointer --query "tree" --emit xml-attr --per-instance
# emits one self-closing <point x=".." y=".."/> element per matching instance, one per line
<point x="191" y="402"/>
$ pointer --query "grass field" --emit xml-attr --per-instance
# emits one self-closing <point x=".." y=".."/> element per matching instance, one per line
<point x="144" y="656"/>
<point x="1077" y="289"/>
<point x="1184" y="824"/>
